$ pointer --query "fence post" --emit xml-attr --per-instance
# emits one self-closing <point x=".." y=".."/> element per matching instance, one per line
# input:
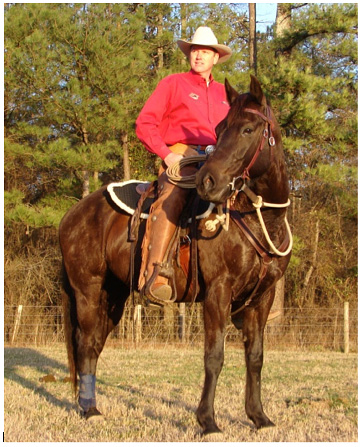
<point x="181" y="320"/>
<point x="17" y="322"/>
<point x="346" y="327"/>
<point x="138" y="322"/>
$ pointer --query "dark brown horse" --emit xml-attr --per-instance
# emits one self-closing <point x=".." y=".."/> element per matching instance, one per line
<point x="238" y="268"/>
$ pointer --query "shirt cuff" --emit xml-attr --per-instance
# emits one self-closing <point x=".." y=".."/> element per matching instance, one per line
<point x="163" y="152"/>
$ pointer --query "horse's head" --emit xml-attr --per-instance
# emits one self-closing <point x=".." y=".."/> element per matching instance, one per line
<point x="245" y="145"/>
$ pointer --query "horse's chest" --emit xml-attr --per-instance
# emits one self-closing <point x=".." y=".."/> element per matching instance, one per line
<point x="225" y="255"/>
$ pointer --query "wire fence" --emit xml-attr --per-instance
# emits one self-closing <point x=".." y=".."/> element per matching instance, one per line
<point x="306" y="328"/>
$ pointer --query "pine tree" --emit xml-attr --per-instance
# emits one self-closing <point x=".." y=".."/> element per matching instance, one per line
<point x="313" y="85"/>
<point x="78" y="69"/>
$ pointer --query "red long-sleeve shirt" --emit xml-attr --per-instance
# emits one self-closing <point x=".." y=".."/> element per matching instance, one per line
<point x="182" y="109"/>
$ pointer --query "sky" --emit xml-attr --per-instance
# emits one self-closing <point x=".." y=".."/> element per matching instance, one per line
<point x="265" y="15"/>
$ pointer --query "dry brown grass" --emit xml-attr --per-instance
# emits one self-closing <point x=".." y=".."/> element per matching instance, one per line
<point x="151" y="395"/>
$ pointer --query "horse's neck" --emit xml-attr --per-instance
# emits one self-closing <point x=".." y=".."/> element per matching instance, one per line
<point x="273" y="185"/>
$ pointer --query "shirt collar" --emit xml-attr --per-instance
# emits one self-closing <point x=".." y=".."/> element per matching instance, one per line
<point x="197" y="78"/>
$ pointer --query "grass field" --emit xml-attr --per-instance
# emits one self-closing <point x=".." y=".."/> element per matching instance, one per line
<point x="151" y="394"/>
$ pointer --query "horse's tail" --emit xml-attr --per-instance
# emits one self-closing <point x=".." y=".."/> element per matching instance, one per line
<point x="70" y="324"/>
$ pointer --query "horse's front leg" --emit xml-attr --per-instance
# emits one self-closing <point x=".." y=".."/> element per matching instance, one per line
<point x="254" y="321"/>
<point x="216" y="310"/>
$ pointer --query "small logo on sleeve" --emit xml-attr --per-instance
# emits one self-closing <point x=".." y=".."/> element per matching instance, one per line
<point x="194" y="96"/>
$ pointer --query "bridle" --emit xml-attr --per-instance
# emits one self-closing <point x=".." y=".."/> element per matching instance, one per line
<point x="266" y="134"/>
<point x="256" y="200"/>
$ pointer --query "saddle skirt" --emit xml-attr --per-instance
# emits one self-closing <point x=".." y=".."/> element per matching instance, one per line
<point x="135" y="198"/>
<point x="126" y="196"/>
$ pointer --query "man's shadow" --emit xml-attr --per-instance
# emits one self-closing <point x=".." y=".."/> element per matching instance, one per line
<point x="26" y="357"/>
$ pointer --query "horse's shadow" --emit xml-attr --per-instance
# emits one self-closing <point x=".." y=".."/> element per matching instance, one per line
<point x="15" y="358"/>
<point x="173" y="402"/>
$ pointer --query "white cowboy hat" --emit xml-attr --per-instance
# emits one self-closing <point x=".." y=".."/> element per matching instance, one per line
<point x="204" y="36"/>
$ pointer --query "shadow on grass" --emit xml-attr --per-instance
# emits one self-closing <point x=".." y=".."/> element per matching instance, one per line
<point x="129" y="392"/>
<point x="15" y="358"/>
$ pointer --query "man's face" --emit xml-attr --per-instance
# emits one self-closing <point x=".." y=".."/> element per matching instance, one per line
<point x="202" y="59"/>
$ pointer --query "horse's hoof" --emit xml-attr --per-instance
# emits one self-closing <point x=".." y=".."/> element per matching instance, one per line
<point x="93" y="415"/>
<point x="212" y="431"/>
<point x="265" y="424"/>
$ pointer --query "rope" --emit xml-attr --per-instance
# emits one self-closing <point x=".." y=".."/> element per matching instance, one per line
<point x="258" y="207"/>
<point x="188" y="182"/>
<point x="184" y="181"/>
<point x="221" y="217"/>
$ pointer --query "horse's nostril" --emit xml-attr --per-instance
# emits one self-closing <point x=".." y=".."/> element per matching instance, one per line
<point x="208" y="182"/>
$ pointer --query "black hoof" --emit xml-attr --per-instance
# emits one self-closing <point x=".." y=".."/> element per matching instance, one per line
<point x="265" y="424"/>
<point x="211" y="430"/>
<point x="93" y="414"/>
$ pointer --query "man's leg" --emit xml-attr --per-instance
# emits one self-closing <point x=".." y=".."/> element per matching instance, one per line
<point x="160" y="228"/>
<point x="161" y="225"/>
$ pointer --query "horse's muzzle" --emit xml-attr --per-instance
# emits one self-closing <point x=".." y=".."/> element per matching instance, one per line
<point x="208" y="187"/>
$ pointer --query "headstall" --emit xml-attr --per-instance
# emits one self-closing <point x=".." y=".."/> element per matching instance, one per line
<point x="267" y="134"/>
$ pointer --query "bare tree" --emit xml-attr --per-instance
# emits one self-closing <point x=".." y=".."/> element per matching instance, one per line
<point x="126" y="163"/>
<point x="252" y="37"/>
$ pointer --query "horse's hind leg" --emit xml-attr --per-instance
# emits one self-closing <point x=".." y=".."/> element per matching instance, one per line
<point x="97" y="314"/>
<point x="90" y="336"/>
<point x="254" y="321"/>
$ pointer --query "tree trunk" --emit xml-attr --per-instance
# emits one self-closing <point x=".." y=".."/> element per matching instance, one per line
<point x="283" y="24"/>
<point x="283" y="18"/>
<point x="183" y="13"/>
<point x="125" y="147"/>
<point x="160" y="49"/>
<point x="86" y="185"/>
<point x="279" y="302"/>
<point x="308" y="294"/>
<point x="252" y="38"/>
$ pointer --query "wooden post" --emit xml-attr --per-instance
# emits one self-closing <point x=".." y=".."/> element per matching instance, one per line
<point x="181" y="320"/>
<point x="169" y="326"/>
<point x="36" y="334"/>
<point x="346" y="327"/>
<point x="17" y="322"/>
<point x="138" y="323"/>
<point x="130" y="318"/>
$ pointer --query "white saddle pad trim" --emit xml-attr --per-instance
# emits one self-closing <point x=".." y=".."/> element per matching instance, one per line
<point x="124" y="207"/>
<point x="121" y="204"/>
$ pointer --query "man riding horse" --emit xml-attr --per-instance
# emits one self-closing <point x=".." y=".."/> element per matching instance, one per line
<point x="178" y="120"/>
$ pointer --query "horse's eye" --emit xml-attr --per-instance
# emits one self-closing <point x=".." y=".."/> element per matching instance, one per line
<point x="247" y="130"/>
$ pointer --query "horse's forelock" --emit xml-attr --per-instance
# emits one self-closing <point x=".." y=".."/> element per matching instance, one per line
<point x="236" y="110"/>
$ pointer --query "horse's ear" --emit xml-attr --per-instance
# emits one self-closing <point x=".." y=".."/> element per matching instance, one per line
<point x="256" y="91"/>
<point x="232" y="94"/>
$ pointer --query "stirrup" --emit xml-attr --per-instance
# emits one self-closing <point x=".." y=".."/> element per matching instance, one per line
<point x="162" y="292"/>
<point x="164" y="270"/>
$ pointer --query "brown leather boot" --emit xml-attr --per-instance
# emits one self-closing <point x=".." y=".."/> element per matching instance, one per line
<point x="160" y="229"/>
